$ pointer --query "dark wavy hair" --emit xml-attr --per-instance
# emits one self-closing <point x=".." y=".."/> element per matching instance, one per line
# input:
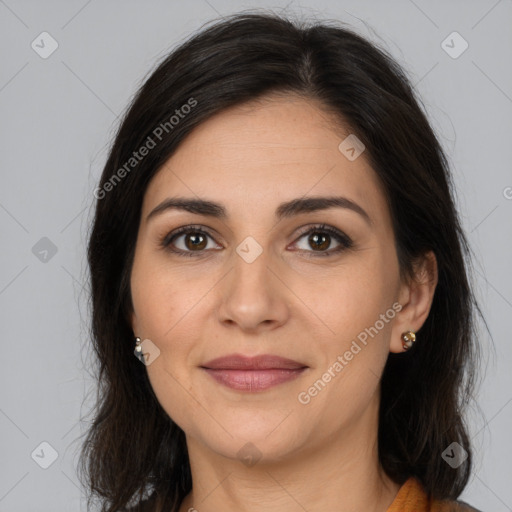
<point x="133" y="449"/>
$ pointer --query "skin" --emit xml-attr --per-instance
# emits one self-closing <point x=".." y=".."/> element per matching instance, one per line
<point x="251" y="158"/>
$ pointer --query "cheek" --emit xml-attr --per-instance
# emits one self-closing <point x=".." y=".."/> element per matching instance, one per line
<point x="352" y="298"/>
<point x="175" y="394"/>
<point x="351" y="362"/>
<point x="164" y="296"/>
<point x="356" y="311"/>
<point x="165" y="301"/>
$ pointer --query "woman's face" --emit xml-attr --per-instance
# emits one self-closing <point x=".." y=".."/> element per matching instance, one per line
<point x="267" y="279"/>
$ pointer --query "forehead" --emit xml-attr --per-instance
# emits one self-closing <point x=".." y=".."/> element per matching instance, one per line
<point x="253" y="156"/>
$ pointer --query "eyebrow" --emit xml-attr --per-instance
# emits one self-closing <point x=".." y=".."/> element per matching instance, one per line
<point x="284" y="210"/>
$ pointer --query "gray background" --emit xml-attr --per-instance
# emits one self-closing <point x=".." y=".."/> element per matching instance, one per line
<point x="58" y="116"/>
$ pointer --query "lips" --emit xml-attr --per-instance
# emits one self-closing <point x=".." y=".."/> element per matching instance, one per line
<point x="252" y="374"/>
<point x="262" y="362"/>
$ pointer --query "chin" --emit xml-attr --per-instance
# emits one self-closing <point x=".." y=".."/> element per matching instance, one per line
<point x="271" y="437"/>
<point x="250" y="451"/>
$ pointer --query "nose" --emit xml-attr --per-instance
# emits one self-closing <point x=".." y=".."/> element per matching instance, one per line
<point x="253" y="297"/>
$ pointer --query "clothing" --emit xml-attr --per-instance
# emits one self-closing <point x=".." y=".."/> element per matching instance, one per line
<point x="412" y="497"/>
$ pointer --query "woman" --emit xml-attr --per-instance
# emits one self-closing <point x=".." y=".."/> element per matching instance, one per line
<point x="275" y="240"/>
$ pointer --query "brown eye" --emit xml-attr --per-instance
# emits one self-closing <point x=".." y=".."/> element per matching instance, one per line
<point x="195" y="241"/>
<point x="319" y="241"/>
<point x="189" y="241"/>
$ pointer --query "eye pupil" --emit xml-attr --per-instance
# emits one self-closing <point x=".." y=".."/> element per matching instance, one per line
<point x="195" y="241"/>
<point x="322" y="241"/>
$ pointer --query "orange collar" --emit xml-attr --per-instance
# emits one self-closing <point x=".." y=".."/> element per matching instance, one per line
<point x="412" y="497"/>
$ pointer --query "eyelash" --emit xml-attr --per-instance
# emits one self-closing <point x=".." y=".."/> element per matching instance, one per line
<point x="344" y="241"/>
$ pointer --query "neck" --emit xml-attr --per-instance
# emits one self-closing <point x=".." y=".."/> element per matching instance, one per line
<point x="342" y="474"/>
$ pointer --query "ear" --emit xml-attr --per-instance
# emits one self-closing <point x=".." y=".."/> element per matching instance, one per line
<point x="415" y="297"/>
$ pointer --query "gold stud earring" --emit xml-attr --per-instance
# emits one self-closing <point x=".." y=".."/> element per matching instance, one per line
<point x="408" y="339"/>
